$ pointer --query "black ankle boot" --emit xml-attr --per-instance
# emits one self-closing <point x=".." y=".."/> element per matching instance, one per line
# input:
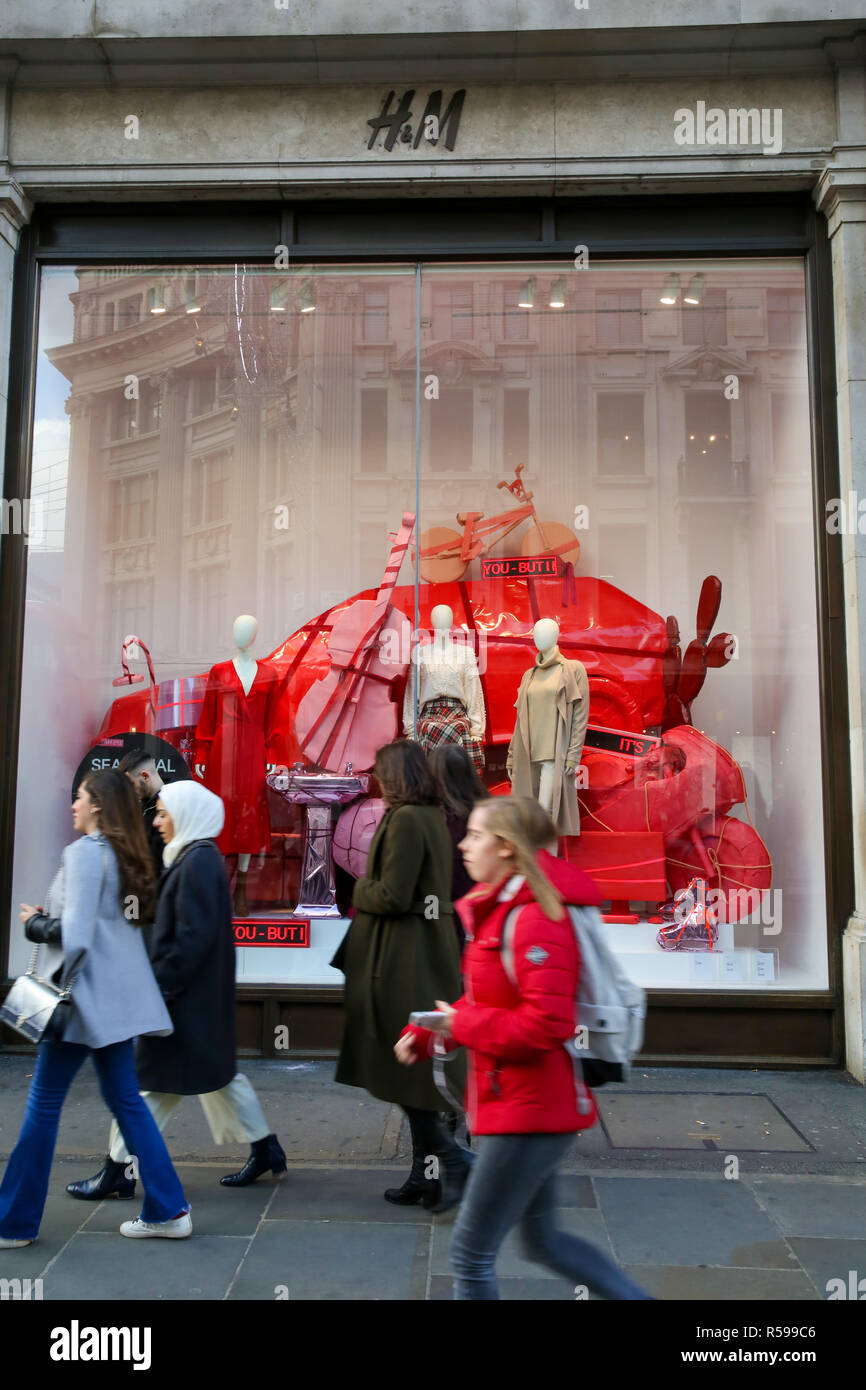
<point x="265" y="1154"/>
<point x="417" y="1188"/>
<point x="110" y="1181"/>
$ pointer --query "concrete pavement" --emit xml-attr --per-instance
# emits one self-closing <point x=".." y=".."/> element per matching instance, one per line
<point x="705" y="1185"/>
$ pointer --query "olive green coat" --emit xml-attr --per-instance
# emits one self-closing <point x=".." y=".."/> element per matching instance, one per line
<point x="399" y="954"/>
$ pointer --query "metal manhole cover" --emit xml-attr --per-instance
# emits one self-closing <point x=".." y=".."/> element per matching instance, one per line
<point x="698" y="1121"/>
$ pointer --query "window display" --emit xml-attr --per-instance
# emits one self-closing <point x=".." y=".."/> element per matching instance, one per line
<point x="239" y="716"/>
<point x="472" y="524"/>
<point x="552" y="713"/>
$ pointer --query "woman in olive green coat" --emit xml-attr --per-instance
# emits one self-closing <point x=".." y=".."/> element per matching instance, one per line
<point x="401" y="954"/>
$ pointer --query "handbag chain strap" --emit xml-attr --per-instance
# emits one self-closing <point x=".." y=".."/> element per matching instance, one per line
<point x="31" y="969"/>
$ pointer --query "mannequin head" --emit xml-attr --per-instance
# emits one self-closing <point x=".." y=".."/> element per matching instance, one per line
<point x="244" y="631"/>
<point x="442" y="619"/>
<point x="545" y="635"/>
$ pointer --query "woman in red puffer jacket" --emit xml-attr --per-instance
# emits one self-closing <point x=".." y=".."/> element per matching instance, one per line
<point x="522" y="1094"/>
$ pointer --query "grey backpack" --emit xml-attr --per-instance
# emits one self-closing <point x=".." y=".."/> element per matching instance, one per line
<point x="611" y="1008"/>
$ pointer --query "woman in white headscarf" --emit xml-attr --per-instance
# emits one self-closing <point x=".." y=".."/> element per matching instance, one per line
<point x="192" y="954"/>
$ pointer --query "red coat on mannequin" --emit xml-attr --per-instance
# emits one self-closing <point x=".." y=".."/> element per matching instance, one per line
<point x="232" y="737"/>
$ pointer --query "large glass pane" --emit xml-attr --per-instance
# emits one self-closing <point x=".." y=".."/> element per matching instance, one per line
<point x="624" y="450"/>
<point x="209" y="442"/>
<point x="647" y="426"/>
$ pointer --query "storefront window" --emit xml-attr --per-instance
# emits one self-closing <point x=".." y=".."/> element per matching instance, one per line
<point x="636" y="436"/>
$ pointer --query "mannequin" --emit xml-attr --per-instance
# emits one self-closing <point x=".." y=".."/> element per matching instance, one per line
<point x="239" y="716"/>
<point x="450" y="700"/>
<point x="552" y="713"/>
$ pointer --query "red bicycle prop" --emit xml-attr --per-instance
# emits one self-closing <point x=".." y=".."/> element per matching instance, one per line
<point x="444" y="555"/>
<point x="349" y="714"/>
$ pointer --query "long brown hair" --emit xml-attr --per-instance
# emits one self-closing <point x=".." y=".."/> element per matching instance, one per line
<point x="456" y="779"/>
<point x="527" y="828"/>
<point x="121" y="823"/>
<point x="402" y="772"/>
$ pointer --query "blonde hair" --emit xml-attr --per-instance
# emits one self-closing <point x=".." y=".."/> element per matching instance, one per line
<point x="526" y="827"/>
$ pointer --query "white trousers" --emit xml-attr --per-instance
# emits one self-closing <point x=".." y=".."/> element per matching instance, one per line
<point x="543" y="783"/>
<point x="234" y="1115"/>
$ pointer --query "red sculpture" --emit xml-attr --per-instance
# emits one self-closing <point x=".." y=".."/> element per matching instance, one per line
<point x="340" y="701"/>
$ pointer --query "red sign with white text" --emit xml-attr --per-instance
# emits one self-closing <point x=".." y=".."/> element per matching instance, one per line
<point x="271" y="931"/>
<point x="521" y="567"/>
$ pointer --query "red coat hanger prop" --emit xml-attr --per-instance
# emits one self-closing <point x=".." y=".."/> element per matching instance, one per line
<point x="128" y="678"/>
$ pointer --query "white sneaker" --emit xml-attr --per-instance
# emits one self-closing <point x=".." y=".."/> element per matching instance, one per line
<point x="7" y="1244"/>
<point x="178" y="1229"/>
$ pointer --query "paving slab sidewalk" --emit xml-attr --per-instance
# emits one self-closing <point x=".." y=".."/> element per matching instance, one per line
<point x="780" y="1225"/>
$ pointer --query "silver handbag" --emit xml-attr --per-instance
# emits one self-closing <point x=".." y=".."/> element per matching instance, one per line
<point x="30" y="1004"/>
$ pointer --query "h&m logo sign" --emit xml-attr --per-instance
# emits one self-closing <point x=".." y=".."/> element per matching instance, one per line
<point x="397" y="120"/>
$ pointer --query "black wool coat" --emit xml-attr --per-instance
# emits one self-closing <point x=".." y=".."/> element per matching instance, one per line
<point x="400" y="954"/>
<point x="192" y="953"/>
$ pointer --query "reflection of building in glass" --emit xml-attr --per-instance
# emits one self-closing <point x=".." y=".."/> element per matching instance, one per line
<point x="245" y="440"/>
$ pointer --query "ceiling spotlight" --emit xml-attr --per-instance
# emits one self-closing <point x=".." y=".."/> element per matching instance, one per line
<point x="557" y="293"/>
<point x="156" y="299"/>
<point x="279" y="298"/>
<point x="695" y="292"/>
<point x="526" y="298"/>
<point x="671" y="292"/>
<point x="305" y="298"/>
<point x="234" y="412"/>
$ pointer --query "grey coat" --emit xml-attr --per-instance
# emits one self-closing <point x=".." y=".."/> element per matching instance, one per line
<point x="114" y="994"/>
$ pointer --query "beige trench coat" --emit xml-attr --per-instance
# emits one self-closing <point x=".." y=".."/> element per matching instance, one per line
<point x="572" y="716"/>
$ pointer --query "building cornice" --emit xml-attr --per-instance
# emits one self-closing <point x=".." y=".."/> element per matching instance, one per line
<point x="211" y="45"/>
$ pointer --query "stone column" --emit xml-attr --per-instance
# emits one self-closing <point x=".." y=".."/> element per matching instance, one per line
<point x="335" y="501"/>
<point x="841" y="195"/>
<point x="83" y="532"/>
<point x="170" y="514"/>
<point x="15" y="212"/>
<point x="556" y="484"/>
<point x="244" y="512"/>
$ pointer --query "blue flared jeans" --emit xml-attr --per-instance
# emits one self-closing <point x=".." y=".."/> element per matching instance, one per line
<point x="25" y="1183"/>
<point x="514" y="1180"/>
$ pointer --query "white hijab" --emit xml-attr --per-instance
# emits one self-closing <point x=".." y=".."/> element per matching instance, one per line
<point x="197" y="815"/>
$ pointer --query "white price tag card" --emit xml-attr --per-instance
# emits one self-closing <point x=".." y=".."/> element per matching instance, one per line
<point x="765" y="965"/>
<point x="702" y="967"/>
<point x="733" y="966"/>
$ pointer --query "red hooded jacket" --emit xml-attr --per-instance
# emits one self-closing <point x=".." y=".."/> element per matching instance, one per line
<point x="521" y="1079"/>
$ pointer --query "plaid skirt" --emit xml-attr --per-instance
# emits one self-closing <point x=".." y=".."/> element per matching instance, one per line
<point x="445" y="721"/>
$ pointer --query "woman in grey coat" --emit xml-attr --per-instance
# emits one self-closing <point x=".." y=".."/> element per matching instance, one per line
<point x="104" y="888"/>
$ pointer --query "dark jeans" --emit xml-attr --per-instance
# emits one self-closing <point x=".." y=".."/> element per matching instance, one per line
<point x="514" y="1179"/>
<point x="25" y="1182"/>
